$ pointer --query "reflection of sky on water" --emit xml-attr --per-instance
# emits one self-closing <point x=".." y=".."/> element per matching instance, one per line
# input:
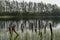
<point x="58" y="26"/>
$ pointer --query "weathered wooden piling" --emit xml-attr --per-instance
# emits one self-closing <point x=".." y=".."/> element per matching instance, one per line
<point x="40" y="31"/>
<point x="39" y="27"/>
<point x="32" y="26"/>
<point x="36" y="26"/>
<point x="22" y="27"/>
<point x="45" y="30"/>
<point x="51" y="31"/>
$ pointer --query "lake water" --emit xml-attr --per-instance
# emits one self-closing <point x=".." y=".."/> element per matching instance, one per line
<point x="28" y="34"/>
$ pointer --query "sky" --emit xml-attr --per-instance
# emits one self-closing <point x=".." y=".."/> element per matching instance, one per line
<point x="44" y="1"/>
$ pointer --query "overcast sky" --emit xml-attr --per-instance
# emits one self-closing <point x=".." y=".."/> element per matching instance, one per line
<point x="44" y="1"/>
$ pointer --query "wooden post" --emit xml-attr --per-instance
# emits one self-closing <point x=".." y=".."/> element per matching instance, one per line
<point x="22" y="27"/>
<point x="45" y="30"/>
<point x="40" y="31"/>
<point x="36" y="26"/>
<point x="51" y="31"/>
<point x="39" y="26"/>
<point x="32" y="26"/>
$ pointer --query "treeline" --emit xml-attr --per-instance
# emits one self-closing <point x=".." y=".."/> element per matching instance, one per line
<point x="30" y="10"/>
<point x="31" y="7"/>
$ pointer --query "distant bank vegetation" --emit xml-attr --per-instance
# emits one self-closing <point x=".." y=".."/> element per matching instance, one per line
<point x="29" y="10"/>
<point x="31" y="7"/>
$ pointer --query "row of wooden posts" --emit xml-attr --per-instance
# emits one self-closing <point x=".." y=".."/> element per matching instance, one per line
<point x="39" y="28"/>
